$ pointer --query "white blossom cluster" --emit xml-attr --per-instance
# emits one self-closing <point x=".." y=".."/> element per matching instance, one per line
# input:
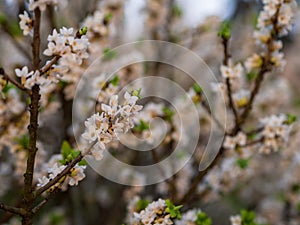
<point x="236" y="220"/>
<point x="275" y="132"/>
<point x="113" y="120"/>
<point x="26" y="23"/>
<point x="224" y="177"/>
<point x="275" y="20"/>
<point x="235" y="73"/>
<point x="97" y="24"/>
<point x="233" y="142"/>
<point x="54" y="167"/>
<point x="154" y="214"/>
<point x="68" y="45"/>
<point x="30" y="78"/>
<point x="189" y="217"/>
<point x="42" y="4"/>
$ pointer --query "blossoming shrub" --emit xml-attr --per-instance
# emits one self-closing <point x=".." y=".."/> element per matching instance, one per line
<point x="35" y="170"/>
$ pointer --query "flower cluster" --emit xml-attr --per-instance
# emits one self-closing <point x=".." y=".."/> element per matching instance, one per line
<point x="233" y="142"/>
<point x="70" y="46"/>
<point x="275" y="132"/>
<point x="114" y="119"/>
<point x="236" y="220"/>
<point x="275" y="20"/>
<point x="76" y="174"/>
<point x="26" y="23"/>
<point x="42" y="4"/>
<point x="194" y="217"/>
<point x="29" y="79"/>
<point x="157" y="212"/>
<point x="98" y="24"/>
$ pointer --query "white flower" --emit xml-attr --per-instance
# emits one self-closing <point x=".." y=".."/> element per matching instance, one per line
<point x="241" y="98"/>
<point x="231" y="142"/>
<point x="55" y="170"/>
<point x="236" y="220"/>
<point x="25" y="23"/>
<point x="42" y="181"/>
<point x="277" y="60"/>
<point x="95" y="25"/>
<point x="76" y="175"/>
<point x="23" y="74"/>
<point x="232" y="72"/>
<point x="262" y="36"/>
<point x="42" y="4"/>
<point x="114" y="119"/>
<point x="253" y="62"/>
<point x="66" y="44"/>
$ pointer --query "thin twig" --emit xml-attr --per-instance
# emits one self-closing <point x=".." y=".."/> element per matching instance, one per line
<point x="228" y="84"/>
<point x="33" y="125"/>
<point x="14" y="82"/>
<point x="11" y="209"/>
<point x="62" y="173"/>
<point x="266" y="67"/>
<point x="48" y="66"/>
<point x="193" y="187"/>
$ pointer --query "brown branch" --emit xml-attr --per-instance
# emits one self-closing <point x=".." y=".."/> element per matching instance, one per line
<point x="62" y="173"/>
<point x="193" y="188"/>
<point x="11" y="209"/>
<point x="266" y="67"/>
<point x="45" y="200"/>
<point x="48" y="66"/>
<point x="228" y="84"/>
<point x="14" y="82"/>
<point x="33" y="126"/>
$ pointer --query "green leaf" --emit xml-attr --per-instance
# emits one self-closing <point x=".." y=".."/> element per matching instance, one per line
<point x="243" y="163"/>
<point x="295" y="188"/>
<point x="225" y="30"/>
<point x="23" y="141"/>
<point x="176" y="11"/>
<point x="168" y="114"/>
<point x="298" y="207"/>
<point x="66" y="149"/>
<point x="82" y="163"/>
<point x="203" y="219"/>
<point x="2" y="18"/>
<point x="141" y="205"/>
<point x="83" y="31"/>
<point x="252" y="75"/>
<point x="115" y="80"/>
<point x="108" y="17"/>
<point x="248" y="217"/>
<point x="69" y="154"/>
<point x="173" y="210"/>
<point x="137" y="93"/>
<point x="14" y="28"/>
<point x="62" y="83"/>
<point x="197" y="88"/>
<point x="291" y="119"/>
<point x="109" y="54"/>
<point x="141" y="126"/>
<point x="7" y="87"/>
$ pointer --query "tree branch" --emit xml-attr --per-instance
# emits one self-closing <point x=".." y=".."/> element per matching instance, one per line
<point x="48" y="66"/>
<point x="14" y="82"/>
<point x="62" y="173"/>
<point x="11" y="209"/>
<point x="33" y="126"/>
